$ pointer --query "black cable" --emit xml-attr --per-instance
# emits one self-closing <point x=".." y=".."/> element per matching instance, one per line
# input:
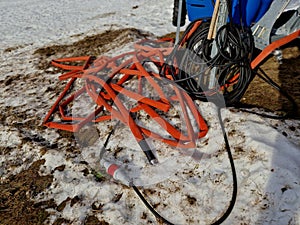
<point x="268" y="79"/>
<point x="233" y="171"/>
<point x="229" y="9"/>
<point x="239" y="41"/>
<point x="234" y="180"/>
<point x="230" y="65"/>
<point x="234" y="191"/>
<point x="103" y="149"/>
<point x="150" y="207"/>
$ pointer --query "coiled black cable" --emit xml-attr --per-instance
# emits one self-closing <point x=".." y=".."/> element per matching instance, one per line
<point x="230" y="66"/>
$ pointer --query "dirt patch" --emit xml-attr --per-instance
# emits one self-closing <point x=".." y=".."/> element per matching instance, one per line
<point x="16" y="203"/>
<point x="286" y="75"/>
<point x="92" y="220"/>
<point x="95" y="45"/>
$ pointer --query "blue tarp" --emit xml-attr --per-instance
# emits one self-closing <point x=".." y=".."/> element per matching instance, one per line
<point x="249" y="11"/>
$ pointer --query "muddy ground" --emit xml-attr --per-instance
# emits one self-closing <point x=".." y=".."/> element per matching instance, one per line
<point x="18" y="191"/>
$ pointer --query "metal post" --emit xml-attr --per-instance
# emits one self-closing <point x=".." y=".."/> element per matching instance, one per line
<point x="178" y="22"/>
<point x="220" y="18"/>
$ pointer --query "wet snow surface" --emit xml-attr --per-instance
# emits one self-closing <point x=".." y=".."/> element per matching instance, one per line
<point x="192" y="188"/>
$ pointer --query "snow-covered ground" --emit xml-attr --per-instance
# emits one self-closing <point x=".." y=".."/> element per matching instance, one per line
<point x="196" y="191"/>
<point x="34" y="22"/>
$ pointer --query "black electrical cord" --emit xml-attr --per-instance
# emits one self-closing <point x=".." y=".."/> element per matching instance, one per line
<point x="197" y="55"/>
<point x="233" y="171"/>
<point x="234" y="189"/>
<point x="234" y="178"/>
<point x="149" y="206"/>
<point x="230" y="65"/>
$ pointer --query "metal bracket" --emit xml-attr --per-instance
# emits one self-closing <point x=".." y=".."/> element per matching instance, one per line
<point x="264" y="32"/>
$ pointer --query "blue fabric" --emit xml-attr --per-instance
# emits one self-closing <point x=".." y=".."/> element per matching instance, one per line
<point x="243" y="11"/>
<point x="250" y="11"/>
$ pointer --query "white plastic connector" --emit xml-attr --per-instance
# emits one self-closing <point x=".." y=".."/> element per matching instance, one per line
<point x="116" y="172"/>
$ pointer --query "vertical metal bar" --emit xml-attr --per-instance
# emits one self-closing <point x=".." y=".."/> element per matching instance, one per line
<point x="178" y="22"/>
<point x="220" y="20"/>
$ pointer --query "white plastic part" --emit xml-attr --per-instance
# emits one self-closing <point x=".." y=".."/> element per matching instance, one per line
<point x="116" y="172"/>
